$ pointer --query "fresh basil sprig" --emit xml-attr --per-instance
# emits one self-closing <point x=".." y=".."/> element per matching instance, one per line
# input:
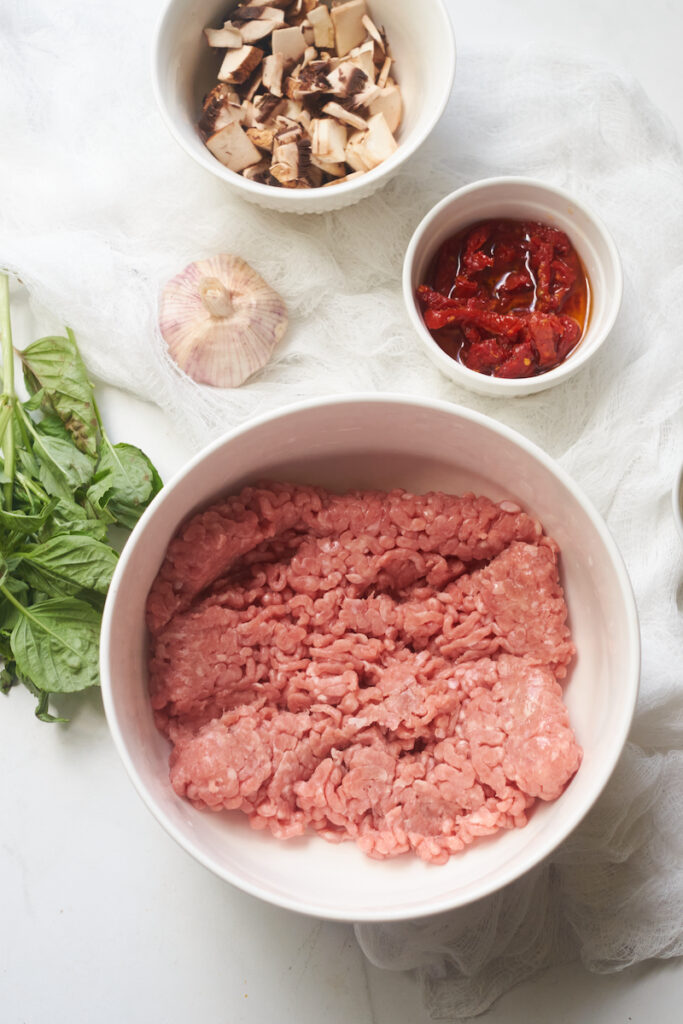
<point x="62" y="485"/>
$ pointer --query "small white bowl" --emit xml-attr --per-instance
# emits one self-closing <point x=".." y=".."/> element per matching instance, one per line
<point x="184" y="69"/>
<point x="380" y="442"/>
<point x="677" y="501"/>
<point x="518" y="198"/>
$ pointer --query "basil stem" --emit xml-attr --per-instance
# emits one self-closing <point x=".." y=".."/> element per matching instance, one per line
<point x="9" y="398"/>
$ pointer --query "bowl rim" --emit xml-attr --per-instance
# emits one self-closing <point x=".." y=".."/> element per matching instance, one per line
<point x="545" y="845"/>
<point x="503" y="386"/>
<point x="301" y="197"/>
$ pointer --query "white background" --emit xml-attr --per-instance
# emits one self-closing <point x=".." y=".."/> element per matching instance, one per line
<point x="104" y="918"/>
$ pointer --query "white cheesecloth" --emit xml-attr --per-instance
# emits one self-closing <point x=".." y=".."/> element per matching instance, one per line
<point x="100" y="207"/>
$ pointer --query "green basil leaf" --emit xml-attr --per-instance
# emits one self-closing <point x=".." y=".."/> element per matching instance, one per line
<point x="55" y="645"/>
<point x="42" y="706"/>
<point x="124" y="483"/>
<point x="20" y="522"/>
<point x="9" y="613"/>
<point x="52" y="426"/>
<point x="38" y="397"/>
<point x="66" y="565"/>
<point x="71" y="518"/>
<point x="55" y="365"/>
<point x="8" y="678"/>
<point x="63" y="468"/>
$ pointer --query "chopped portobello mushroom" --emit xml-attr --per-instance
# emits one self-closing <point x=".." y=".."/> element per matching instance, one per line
<point x="338" y="112"/>
<point x="238" y="65"/>
<point x="255" y="23"/>
<point x="383" y="76"/>
<point x="328" y="140"/>
<point x="228" y="36"/>
<point x="363" y="58"/>
<point x="312" y="104"/>
<point x="368" y="149"/>
<point x="221" y="107"/>
<point x="273" y="67"/>
<point x="291" y="157"/>
<point x="289" y="42"/>
<point x="347" y="79"/>
<point x="232" y="147"/>
<point x="388" y="102"/>
<point x="323" y="29"/>
<point x="259" y="172"/>
<point x="374" y="33"/>
<point x="349" y="30"/>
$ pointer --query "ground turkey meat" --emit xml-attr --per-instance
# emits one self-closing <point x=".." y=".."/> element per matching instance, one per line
<point x="381" y="667"/>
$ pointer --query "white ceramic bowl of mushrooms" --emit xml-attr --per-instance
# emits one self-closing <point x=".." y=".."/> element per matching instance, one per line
<point x="252" y="100"/>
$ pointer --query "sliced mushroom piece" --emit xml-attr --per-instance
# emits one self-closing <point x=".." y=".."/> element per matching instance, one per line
<point x="304" y="119"/>
<point x="328" y="140"/>
<point x="349" y="30"/>
<point x="249" y="118"/>
<point x="221" y="107"/>
<point x="226" y="37"/>
<point x="388" y="102"/>
<point x="262" y="135"/>
<point x="286" y="167"/>
<point x="355" y="152"/>
<point x="221" y="321"/>
<point x="363" y="58"/>
<point x="368" y="149"/>
<point x="238" y="65"/>
<point x="309" y="80"/>
<point x="273" y="67"/>
<point x="259" y="172"/>
<point x="345" y="116"/>
<point x="365" y="96"/>
<point x="299" y="11"/>
<point x="383" y="76"/>
<point x="253" y="85"/>
<point x="374" y="33"/>
<point x="291" y="155"/>
<point x="289" y="129"/>
<point x="347" y="80"/>
<point x="289" y="42"/>
<point x="231" y="146"/>
<point x="323" y="28"/>
<point x="253" y="31"/>
<point x="294" y="114"/>
<point x="310" y="55"/>
<point x="267" y="108"/>
<point x="334" y="170"/>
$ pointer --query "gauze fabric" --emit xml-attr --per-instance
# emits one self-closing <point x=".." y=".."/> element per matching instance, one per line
<point x="100" y="207"/>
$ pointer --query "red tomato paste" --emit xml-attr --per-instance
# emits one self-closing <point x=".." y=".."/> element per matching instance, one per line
<point x="508" y="298"/>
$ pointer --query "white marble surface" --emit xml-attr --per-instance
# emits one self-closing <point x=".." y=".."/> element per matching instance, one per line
<point x="104" y="918"/>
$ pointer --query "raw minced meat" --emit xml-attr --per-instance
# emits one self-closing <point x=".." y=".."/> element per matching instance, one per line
<point x="381" y="667"/>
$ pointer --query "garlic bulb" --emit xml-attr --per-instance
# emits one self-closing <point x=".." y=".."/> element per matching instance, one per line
<point x="220" y="320"/>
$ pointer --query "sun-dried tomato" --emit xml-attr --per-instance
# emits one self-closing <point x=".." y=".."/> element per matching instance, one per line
<point x="507" y="298"/>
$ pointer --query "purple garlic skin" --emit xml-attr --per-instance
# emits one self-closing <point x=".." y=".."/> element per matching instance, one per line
<point x="221" y="321"/>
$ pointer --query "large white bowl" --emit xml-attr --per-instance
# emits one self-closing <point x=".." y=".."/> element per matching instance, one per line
<point x="522" y="199"/>
<point x="184" y="69"/>
<point x="383" y="442"/>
